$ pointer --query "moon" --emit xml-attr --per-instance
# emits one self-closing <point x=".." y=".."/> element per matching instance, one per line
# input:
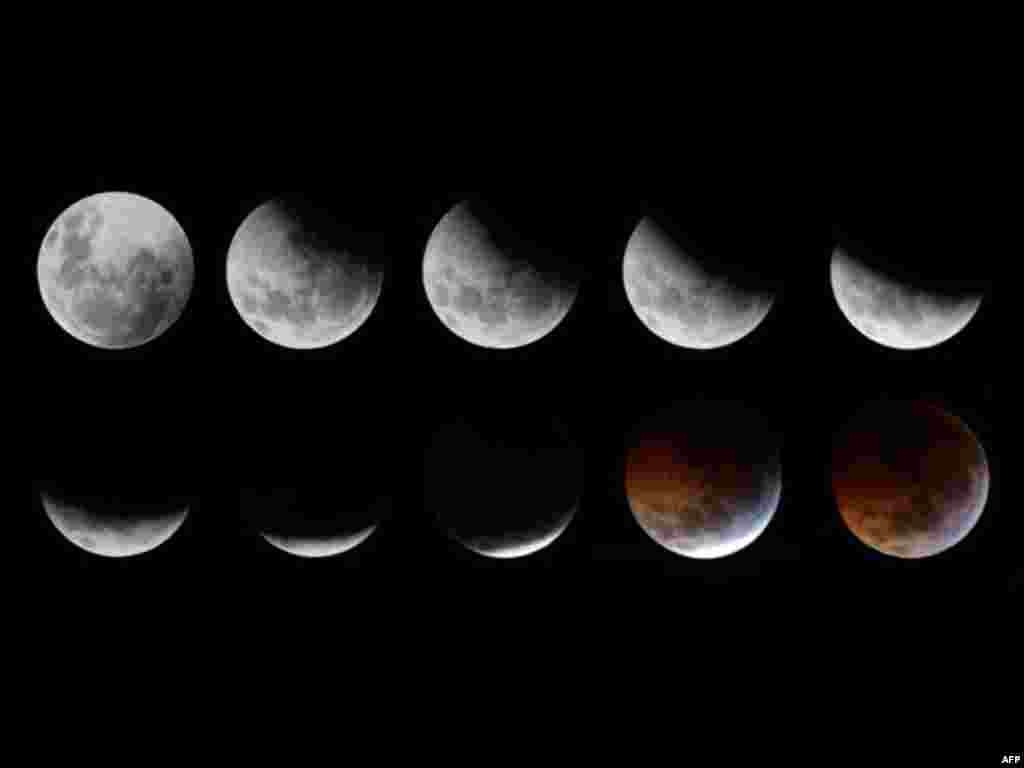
<point x="315" y="518"/>
<point x="502" y="487"/>
<point x="115" y="270"/>
<point x="491" y="295"/>
<point x="703" y="479"/>
<point x="896" y="313"/>
<point x="327" y="546"/>
<point x="111" y="536"/>
<point x="681" y="299"/>
<point x="298" y="278"/>
<point x="910" y="479"/>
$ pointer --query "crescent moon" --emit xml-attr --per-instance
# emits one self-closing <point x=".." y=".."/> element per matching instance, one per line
<point x="522" y="549"/>
<point x="326" y="547"/>
<point x="86" y="531"/>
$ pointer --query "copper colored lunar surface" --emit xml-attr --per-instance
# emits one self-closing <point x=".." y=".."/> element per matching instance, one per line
<point x="910" y="480"/>
<point x="705" y="481"/>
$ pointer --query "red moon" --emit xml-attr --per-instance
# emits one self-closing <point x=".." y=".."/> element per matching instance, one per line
<point x="910" y="479"/>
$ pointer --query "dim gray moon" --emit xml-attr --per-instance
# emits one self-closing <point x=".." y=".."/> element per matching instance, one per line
<point x="105" y="537"/>
<point x="295" y="288"/>
<point x="487" y="296"/>
<point x="319" y="547"/>
<point x="680" y="300"/>
<point x="115" y="270"/>
<point x="522" y="543"/>
<point x="893" y="313"/>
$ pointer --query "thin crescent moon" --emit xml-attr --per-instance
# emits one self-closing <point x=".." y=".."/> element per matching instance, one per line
<point x="527" y="548"/>
<point x="310" y="547"/>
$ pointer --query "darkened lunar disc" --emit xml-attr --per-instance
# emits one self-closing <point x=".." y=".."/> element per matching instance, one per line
<point x="703" y="478"/>
<point x="910" y="479"/>
<point x="503" y="487"/>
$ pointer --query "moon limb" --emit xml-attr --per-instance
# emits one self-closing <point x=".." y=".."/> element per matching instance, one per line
<point x="891" y="314"/>
<point x="91" y="534"/>
<point x="467" y="286"/>
<point x="319" y="547"/>
<point x="679" y="301"/>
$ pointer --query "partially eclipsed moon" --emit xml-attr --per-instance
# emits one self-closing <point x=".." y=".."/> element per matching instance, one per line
<point x="319" y="547"/>
<point x="521" y="545"/>
<point x="486" y="295"/>
<point x="680" y="300"/>
<point x="107" y="537"/>
<point x="896" y="314"/>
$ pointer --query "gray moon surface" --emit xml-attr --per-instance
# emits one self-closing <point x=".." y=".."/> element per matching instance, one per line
<point x="893" y="313"/>
<point x="319" y="547"/>
<point x="679" y="299"/>
<point x="107" y="537"/>
<point x="294" y="290"/>
<point x="520" y="543"/>
<point x="484" y="295"/>
<point x="115" y="270"/>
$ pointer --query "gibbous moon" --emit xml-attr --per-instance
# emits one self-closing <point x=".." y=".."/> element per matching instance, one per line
<point x="910" y="479"/>
<point x="300" y="279"/>
<point x="703" y="479"/>
<point x="489" y="289"/>
<point x="686" y="300"/>
<point x="895" y="312"/>
<point x="115" y="270"/>
<point x="502" y="487"/>
<point x="130" y="532"/>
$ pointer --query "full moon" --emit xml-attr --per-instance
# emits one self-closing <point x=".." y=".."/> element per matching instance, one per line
<point x="703" y="479"/>
<point x="115" y="270"/>
<point x="686" y="300"/>
<point x="895" y="312"/>
<point x="124" y="532"/>
<point x="502" y="487"/>
<point x="298" y="277"/>
<point x="490" y="287"/>
<point x="910" y="479"/>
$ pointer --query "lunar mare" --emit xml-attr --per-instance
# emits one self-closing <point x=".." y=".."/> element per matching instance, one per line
<point x="486" y="295"/>
<point x="893" y="313"/>
<point x="703" y="480"/>
<point x="910" y="480"/>
<point x="680" y="300"/>
<point x="109" y="537"/>
<point x="115" y="270"/>
<point x="294" y="286"/>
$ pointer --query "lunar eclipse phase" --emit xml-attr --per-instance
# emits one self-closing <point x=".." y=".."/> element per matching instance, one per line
<point x="910" y="479"/>
<point x="695" y="292"/>
<point x="301" y="275"/>
<point x="111" y="517"/>
<point x="703" y="478"/>
<point x="494" y="275"/>
<point x="502" y="486"/>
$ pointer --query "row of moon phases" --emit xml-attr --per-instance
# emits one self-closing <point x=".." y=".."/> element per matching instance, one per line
<point x="116" y="270"/>
<point x="702" y="479"/>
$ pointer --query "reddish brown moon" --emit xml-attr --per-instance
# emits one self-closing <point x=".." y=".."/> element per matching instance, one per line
<point x="910" y="479"/>
<point x="703" y="479"/>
